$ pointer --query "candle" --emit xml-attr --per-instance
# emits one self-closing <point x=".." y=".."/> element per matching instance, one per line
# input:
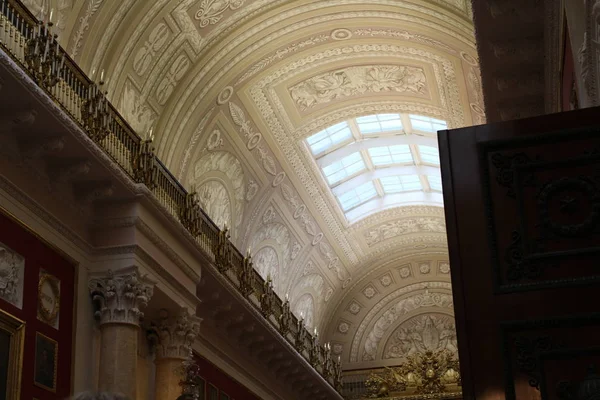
<point x="101" y="76"/>
<point x="287" y="297"/>
<point x="51" y="14"/>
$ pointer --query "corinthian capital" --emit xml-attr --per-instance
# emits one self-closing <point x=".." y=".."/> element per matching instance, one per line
<point x="120" y="296"/>
<point x="174" y="333"/>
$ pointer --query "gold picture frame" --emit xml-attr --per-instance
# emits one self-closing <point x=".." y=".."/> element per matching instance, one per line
<point x="46" y="358"/>
<point x="15" y="328"/>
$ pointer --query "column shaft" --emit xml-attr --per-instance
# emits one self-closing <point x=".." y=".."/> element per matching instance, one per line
<point x="118" y="359"/>
<point x="167" y="379"/>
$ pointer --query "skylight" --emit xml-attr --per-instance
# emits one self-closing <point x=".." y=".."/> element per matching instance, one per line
<point x="427" y="124"/>
<point x="357" y="196"/>
<point x="429" y="155"/>
<point x="398" y="184"/>
<point x="378" y="123"/>
<point x="329" y="138"/>
<point x="344" y="168"/>
<point x="380" y="161"/>
<point x="398" y="154"/>
<point x="435" y="182"/>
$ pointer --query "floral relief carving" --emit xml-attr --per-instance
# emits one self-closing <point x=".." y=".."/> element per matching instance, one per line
<point x="84" y="23"/>
<point x="136" y="111"/>
<point x="214" y="141"/>
<point x="295" y="250"/>
<point x="214" y="200"/>
<point x="195" y="137"/>
<point x="404" y="226"/>
<point x="353" y="81"/>
<point x="397" y="311"/>
<point x="213" y="195"/>
<point x="279" y="238"/>
<point x="403" y="34"/>
<point x="426" y="332"/>
<point x="12" y="269"/>
<point x="211" y="11"/>
<point x="354" y="308"/>
<point x="176" y="71"/>
<point x="151" y="48"/>
<point x="251" y="190"/>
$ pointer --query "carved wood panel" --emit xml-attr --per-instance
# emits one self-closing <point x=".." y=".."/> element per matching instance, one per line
<point x="522" y="203"/>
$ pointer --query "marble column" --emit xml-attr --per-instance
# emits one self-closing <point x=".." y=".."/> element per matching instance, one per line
<point x="119" y="297"/>
<point x="173" y="335"/>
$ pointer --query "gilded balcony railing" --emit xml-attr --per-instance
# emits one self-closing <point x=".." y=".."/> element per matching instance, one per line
<point x="33" y="45"/>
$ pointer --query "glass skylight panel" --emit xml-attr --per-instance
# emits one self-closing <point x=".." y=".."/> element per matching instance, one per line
<point x="398" y="184"/>
<point x="398" y="154"/>
<point x="435" y="182"/>
<point x="328" y="138"/>
<point x="358" y="196"/>
<point x="344" y="168"/>
<point x="427" y="124"/>
<point x="378" y="123"/>
<point x="429" y="155"/>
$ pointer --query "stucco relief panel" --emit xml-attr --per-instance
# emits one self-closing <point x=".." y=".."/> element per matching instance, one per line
<point x="305" y="307"/>
<point x="136" y="111"/>
<point x="426" y="332"/>
<point x="396" y="312"/>
<point x="12" y="271"/>
<point x="358" y="81"/>
<point x="222" y="206"/>
<point x="397" y="228"/>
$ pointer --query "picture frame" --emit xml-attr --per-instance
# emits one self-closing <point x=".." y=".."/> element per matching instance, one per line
<point x="46" y="362"/>
<point x="213" y="392"/>
<point x="12" y="339"/>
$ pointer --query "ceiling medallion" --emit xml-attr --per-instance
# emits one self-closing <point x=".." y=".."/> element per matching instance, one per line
<point x="225" y="95"/>
<point x="341" y="34"/>
<point x="468" y="58"/>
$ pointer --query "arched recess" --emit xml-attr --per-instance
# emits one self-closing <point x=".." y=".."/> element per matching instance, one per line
<point x="418" y="302"/>
<point x="277" y="237"/>
<point x="305" y="306"/>
<point x="266" y="262"/>
<point x="218" y="178"/>
<point x="430" y="331"/>
<point x="314" y="285"/>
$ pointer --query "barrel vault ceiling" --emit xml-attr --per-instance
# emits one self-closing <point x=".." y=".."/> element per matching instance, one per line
<point x="229" y="90"/>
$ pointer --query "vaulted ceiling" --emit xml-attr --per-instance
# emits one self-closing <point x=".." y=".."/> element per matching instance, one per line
<point x="230" y="90"/>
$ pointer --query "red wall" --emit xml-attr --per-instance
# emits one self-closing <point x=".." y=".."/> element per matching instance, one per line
<point x="39" y="256"/>
<point x="223" y="382"/>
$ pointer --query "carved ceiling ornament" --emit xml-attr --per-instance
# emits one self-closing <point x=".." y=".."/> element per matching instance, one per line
<point x="305" y="307"/>
<point x="136" y="111"/>
<point x="192" y="145"/>
<point x="264" y="95"/>
<point x="403" y="293"/>
<point x="403" y="227"/>
<point x="425" y="332"/>
<point x="358" y="81"/>
<point x="426" y="299"/>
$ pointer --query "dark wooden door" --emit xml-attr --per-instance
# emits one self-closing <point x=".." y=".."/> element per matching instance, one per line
<point x="522" y="203"/>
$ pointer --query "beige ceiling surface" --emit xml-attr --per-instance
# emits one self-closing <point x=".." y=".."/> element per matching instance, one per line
<point x="229" y="89"/>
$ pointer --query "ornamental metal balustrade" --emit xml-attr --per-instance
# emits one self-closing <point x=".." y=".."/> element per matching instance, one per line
<point x="34" y="47"/>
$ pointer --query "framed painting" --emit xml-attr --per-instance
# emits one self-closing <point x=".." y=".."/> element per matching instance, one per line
<point x="213" y="392"/>
<point x="46" y="361"/>
<point x="12" y="338"/>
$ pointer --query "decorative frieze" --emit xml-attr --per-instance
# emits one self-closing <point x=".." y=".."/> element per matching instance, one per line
<point x="174" y="333"/>
<point x="120" y="296"/>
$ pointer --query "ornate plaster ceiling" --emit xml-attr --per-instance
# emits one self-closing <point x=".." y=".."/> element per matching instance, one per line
<point x="228" y="91"/>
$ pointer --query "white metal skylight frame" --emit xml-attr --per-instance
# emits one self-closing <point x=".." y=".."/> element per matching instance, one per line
<point x="379" y="161"/>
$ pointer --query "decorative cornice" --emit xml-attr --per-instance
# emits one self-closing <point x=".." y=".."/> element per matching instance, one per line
<point x="120" y="297"/>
